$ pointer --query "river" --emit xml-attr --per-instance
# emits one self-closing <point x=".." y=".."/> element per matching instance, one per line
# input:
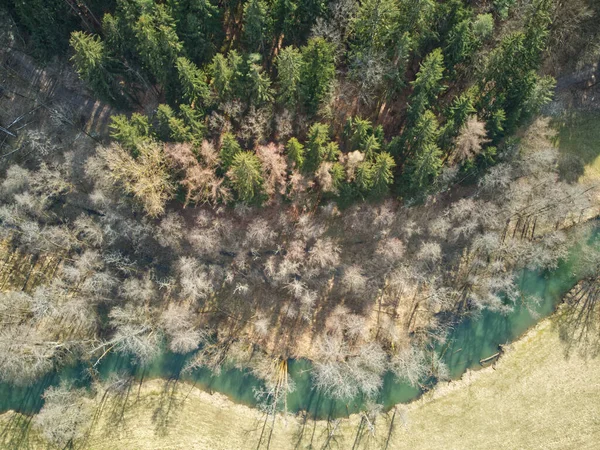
<point x="472" y="340"/>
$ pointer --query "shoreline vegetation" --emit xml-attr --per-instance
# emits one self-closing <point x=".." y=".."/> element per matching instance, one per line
<point x="533" y="397"/>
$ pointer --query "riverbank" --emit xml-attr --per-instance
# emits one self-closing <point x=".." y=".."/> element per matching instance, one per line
<point x="534" y="397"/>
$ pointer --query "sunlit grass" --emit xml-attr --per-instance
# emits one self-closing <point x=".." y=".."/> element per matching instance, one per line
<point x="535" y="398"/>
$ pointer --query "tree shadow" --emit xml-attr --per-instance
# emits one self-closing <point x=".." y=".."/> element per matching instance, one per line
<point x="578" y="319"/>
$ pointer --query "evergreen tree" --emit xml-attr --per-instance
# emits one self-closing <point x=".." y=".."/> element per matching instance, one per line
<point x="172" y="127"/>
<point x="427" y="85"/>
<point x="370" y="147"/>
<point x="425" y="162"/>
<point x="289" y="64"/>
<point x="227" y="76"/>
<point x="461" y="44"/>
<point x="245" y="175"/>
<point x="158" y="45"/>
<point x="510" y="78"/>
<point x="94" y="65"/>
<point x="257" y="26"/>
<point x="457" y="116"/>
<point x="229" y="149"/>
<point x="317" y="74"/>
<point x="258" y="84"/>
<point x="48" y="22"/>
<point x="199" y="27"/>
<point x="295" y="153"/>
<point x="193" y="82"/>
<point x="382" y="174"/>
<point x="357" y="131"/>
<point x="131" y="133"/>
<point x="193" y="119"/>
<point x="316" y="146"/>
<point x="364" y="176"/>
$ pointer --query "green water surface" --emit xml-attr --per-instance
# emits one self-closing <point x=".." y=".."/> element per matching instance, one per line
<point x="470" y="341"/>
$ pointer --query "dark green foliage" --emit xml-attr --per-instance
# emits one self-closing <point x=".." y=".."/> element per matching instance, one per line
<point x="199" y="27"/>
<point x="316" y="146"/>
<point x="157" y="43"/>
<point x="95" y="66"/>
<point x="48" y="22"/>
<point x="229" y="149"/>
<point x="247" y="69"/>
<point x="502" y="7"/>
<point x="245" y="176"/>
<point x="425" y="162"/>
<point x="289" y="64"/>
<point x="235" y="77"/>
<point x="317" y="74"/>
<point x="457" y="115"/>
<point x="193" y="118"/>
<point x="382" y="174"/>
<point x="257" y="83"/>
<point x="427" y="85"/>
<point x="187" y="126"/>
<point x="510" y="80"/>
<point x="257" y="26"/>
<point x="293" y="19"/>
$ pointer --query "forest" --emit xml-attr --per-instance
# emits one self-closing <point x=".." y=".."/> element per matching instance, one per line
<point x="338" y="181"/>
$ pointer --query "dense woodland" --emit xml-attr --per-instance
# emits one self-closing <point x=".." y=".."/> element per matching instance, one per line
<point x="335" y="180"/>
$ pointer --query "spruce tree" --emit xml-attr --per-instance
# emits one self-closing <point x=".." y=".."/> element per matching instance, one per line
<point x="317" y="74"/>
<point x="193" y="82"/>
<point x="229" y="149"/>
<point x="295" y="153"/>
<point x="289" y="64"/>
<point x="257" y="26"/>
<point x="245" y="175"/>
<point x="93" y="64"/>
<point x="131" y="133"/>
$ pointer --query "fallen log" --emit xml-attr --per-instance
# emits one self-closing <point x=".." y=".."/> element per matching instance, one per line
<point x="489" y="358"/>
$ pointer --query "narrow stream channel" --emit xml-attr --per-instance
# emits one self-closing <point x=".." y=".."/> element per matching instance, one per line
<point x="472" y="340"/>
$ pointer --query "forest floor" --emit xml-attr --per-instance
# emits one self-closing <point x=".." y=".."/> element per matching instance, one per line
<point x="536" y="397"/>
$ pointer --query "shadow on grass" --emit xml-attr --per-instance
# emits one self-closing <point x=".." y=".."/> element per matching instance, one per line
<point x="578" y="141"/>
<point x="578" y="320"/>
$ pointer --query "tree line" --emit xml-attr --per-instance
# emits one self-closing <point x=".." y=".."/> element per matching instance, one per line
<point x="361" y="97"/>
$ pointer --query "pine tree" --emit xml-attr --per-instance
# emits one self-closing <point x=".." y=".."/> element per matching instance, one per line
<point x="245" y="175"/>
<point x="227" y="76"/>
<point x="425" y="163"/>
<point x="193" y="119"/>
<point x="49" y="23"/>
<point x="457" y="116"/>
<point x="258" y="87"/>
<point x="427" y="85"/>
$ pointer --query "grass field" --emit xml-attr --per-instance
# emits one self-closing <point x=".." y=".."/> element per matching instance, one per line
<point x="535" y="398"/>
<point x="578" y="140"/>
